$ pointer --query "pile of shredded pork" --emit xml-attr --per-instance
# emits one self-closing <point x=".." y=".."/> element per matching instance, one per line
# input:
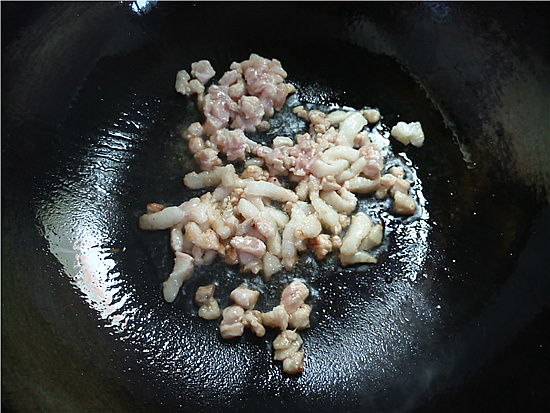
<point x="299" y="193"/>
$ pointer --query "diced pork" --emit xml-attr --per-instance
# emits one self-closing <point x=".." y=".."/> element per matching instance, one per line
<point x="245" y="297"/>
<point x="276" y="318"/>
<point x="203" y="71"/>
<point x="295" y="363"/>
<point x="182" y="83"/>
<point x="259" y="222"/>
<point x="204" y="293"/>
<point x="286" y="346"/>
<point x="408" y="133"/>
<point x="204" y="297"/>
<point x="232" y="323"/>
<point x="253" y="319"/>
<point x="374" y="163"/>
<point x="372" y="115"/>
<point x="321" y="245"/>
<point x="207" y="159"/>
<point x="209" y="310"/>
<point x="294" y="295"/>
<point x="403" y="204"/>
<point x="299" y="319"/>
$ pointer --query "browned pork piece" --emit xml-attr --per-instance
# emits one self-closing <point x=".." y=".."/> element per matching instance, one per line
<point x="154" y="207"/>
<point x="321" y="245"/>
<point x="236" y="320"/>
<point x="398" y="187"/>
<point x="292" y="309"/>
<point x="286" y="346"/>
<point x="204" y="297"/>
<point x="291" y="312"/>
<point x="232" y="323"/>
<point x="299" y="319"/>
<point x="253" y="319"/>
<point x="276" y="318"/>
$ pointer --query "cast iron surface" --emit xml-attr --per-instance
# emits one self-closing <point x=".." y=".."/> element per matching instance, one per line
<point x="454" y="316"/>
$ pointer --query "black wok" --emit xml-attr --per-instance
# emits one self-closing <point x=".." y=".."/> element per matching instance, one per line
<point x="455" y="317"/>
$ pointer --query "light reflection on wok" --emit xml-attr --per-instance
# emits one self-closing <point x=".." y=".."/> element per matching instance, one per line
<point x="80" y="232"/>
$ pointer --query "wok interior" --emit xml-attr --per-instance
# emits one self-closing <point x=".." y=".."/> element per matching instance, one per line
<point x="392" y="336"/>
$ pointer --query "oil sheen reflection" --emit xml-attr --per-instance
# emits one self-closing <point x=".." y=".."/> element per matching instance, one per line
<point x="80" y="218"/>
<point x="410" y="234"/>
<point x="143" y="6"/>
